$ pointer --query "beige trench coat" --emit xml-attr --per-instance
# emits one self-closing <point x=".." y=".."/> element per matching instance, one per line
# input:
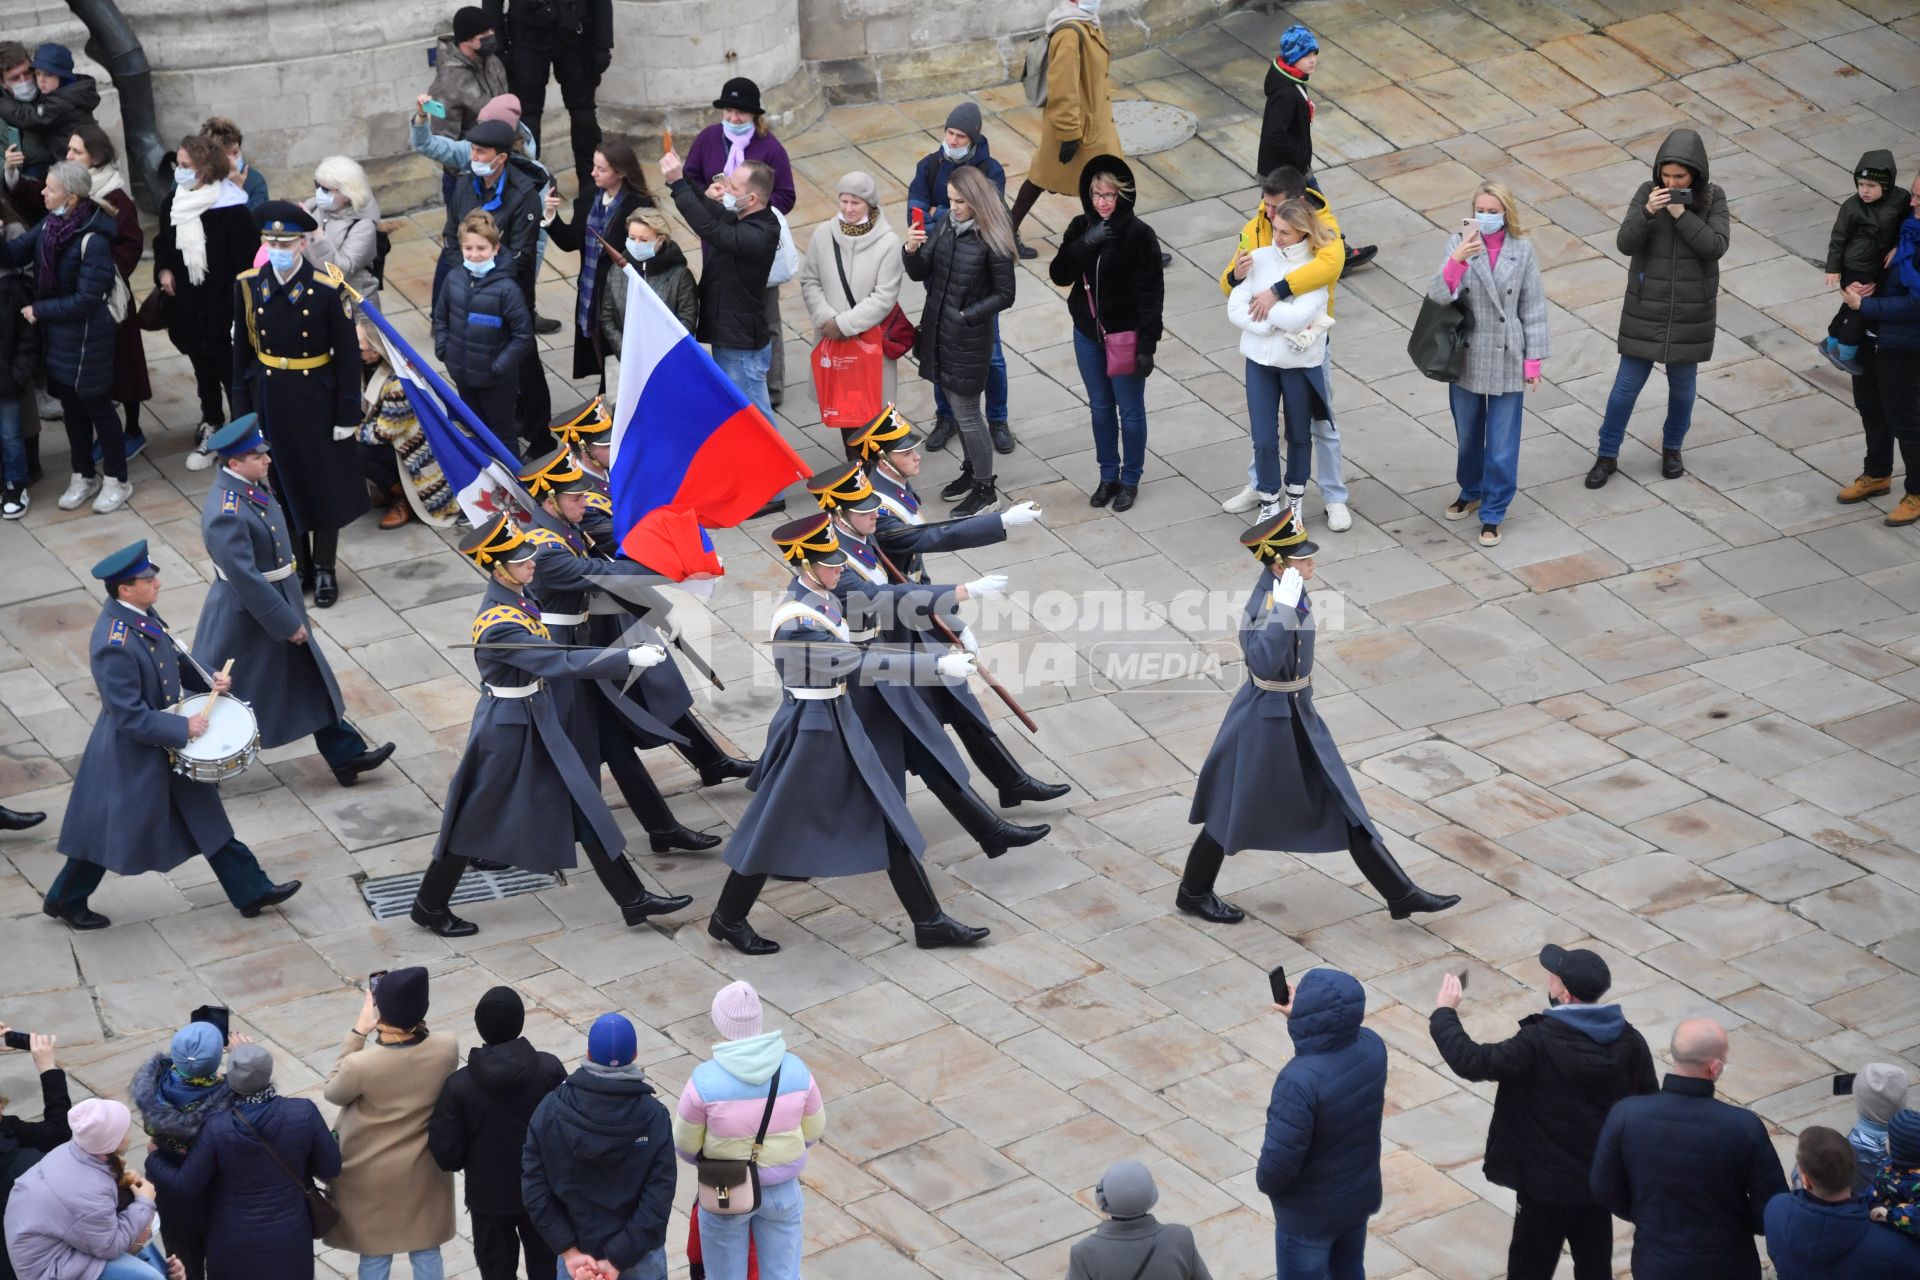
<point x="1079" y="108"/>
<point x="392" y="1197"/>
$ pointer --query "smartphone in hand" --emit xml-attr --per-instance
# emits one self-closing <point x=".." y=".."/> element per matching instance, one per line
<point x="214" y="1015"/>
<point x="22" y="1040"/>
<point x="1842" y="1083"/>
<point x="919" y="219"/>
<point x="435" y="108"/>
<point x="1277" y="980"/>
<point x="1682" y="196"/>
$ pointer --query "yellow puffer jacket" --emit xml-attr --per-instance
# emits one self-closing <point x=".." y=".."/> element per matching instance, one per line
<point x="1320" y="273"/>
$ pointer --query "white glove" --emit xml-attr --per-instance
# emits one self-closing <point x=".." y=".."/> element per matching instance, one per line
<point x="642" y="656"/>
<point x="1021" y="513"/>
<point x="1286" y="592"/>
<point x="994" y="584"/>
<point x="955" y="666"/>
<point x="968" y="640"/>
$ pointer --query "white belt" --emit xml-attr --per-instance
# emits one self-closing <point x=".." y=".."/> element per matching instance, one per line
<point x="816" y="695"/>
<point x="563" y="619"/>
<point x="1280" y="686"/>
<point x="271" y="575"/>
<point x="867" y="633"/>
<point x="516" y="690"/>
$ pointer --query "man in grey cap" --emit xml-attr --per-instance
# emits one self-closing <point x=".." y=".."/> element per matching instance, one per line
<point x="1132" y="1244"/>
<point x="1558" y="1077"/>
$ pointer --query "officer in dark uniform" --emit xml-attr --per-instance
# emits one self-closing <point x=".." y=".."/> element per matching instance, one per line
<point x="296" y="363"/>
<point x="130" y="812"/>
<point x="603" y="723"/>
<point x="254" y="613"/>
<point x="520" y="768"/>
<point x="824" y="801"/>
<point x="870" y="598"/>
<point x="1274" y="778"/>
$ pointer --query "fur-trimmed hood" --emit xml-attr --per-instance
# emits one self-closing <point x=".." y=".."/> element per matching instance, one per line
<point x="171" y="1109"/>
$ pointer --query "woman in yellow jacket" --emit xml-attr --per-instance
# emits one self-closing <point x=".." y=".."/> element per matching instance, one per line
<point x="1078" y="120"/>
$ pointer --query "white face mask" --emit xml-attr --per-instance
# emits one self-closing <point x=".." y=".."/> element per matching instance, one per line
<point x="955" y="153"/>
<point x="729" y="201"/>
<point x="322" y="198"/>
<point x="184" y="177"/>
<point x="26" y="90"/>
<point x="1090" y="7"/>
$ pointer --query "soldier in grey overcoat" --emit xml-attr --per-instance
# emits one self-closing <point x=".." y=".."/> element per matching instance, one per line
<point x="824" y="801"/>
<point x="1274" y="778"/>
<point x="256" y="616"/>
<point x="520" y="772"/>
<point x="130" y="812"/>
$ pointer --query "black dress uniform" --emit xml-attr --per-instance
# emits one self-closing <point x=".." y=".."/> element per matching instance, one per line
<point x="1274" y="778"/>
<point x="520" y="768"/>
<point x="130" y="812"/>
<point x="254" y="608"/>
<point x="296" y="363"/>
<point x="824" y="801"/>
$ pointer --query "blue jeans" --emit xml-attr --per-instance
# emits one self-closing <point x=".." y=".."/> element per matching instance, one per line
<point x="425" y="1263"/>
<point x="1119" y="408"/>
<point x="13" y="446"/>
<point x="144" y="1265"/>
<point x="651" y="1267"/>
<point x="1340" y="1256"/>
<point x="747" y="370"/>
<point x="774" y="1227"/>
<point x="996" y="385"/>
<point x="1632" y="376"/>
<point x="1269" y="390"/>
<point x="1488" y="429"/>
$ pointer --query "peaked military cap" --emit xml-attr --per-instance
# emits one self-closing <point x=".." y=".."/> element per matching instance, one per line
<point x="554" y="473"/>
<point x="241" y="436"/>
<point x="498" y="541"/>
<point x="125" y="565"/>
<point x="843" y="488"/>
<point x="284" y="219"/>
<point x="809" y="540"/>
<point x="1283" y="535"/>
<point x="888" y="433"/>
<point x="588" y="424"/>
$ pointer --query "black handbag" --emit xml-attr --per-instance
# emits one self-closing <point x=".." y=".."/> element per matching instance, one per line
<point x="1442" y="332"/>
<point x="323" y="1212"/>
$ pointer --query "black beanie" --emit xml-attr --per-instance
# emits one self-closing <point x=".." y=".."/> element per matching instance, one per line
<point x="499" y="1016"/>
<point x="401" y="997"/>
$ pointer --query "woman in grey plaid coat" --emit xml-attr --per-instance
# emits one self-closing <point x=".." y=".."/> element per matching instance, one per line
<point x="1490" y="263"/>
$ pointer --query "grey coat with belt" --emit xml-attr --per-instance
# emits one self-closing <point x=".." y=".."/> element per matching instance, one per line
<point x="248" y="618"/>
<point x="1509" y="310"/>
<point x="1142" y="1248"/>
<point x="1274" y="778"/>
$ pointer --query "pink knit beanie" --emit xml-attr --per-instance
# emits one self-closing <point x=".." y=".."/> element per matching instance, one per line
<point x="736" y="1011"/>
<point x="98" y="1125"/>
<point x="505" y="109"/>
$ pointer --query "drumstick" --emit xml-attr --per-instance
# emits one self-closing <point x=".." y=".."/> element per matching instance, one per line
<point x="213" y="695"/>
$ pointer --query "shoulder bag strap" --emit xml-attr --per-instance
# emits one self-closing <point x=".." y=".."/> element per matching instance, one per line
<point x="1093" y="301"/>
<point x="285" y="1168"/>
<point x="1146" y="1261"/>
<point x="840" y="265"/>
<point x="766" y="1117"/>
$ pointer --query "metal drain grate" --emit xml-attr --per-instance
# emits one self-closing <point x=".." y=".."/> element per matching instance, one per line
<point x="391" y="896"/>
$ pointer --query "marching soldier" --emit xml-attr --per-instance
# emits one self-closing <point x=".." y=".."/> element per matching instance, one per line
<point x="824" y="801"/>
<point x="255" y="615"/>
<point x="588" y="433"/>
<point x="1274" y="778"/>
<point x="870" y="598"/>
<point x="603" y="722"/>
<point x="520" y="767"/>
<point x="296" y="363"/>
<point x="130" y="812"/>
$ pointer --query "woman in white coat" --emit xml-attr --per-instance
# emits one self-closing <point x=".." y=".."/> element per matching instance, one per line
<point x="1286" y="359"/>
<point x="850" y="278"/>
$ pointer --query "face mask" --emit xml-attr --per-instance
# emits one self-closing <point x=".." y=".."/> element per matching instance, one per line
<point x="1490" y="222"/>
<point x="282" y="259"/>
<point x="640" y="250"/>
<point x="238" y="162"/>
<point x="478" y="269"/>
<point x="26" y="90"/>
<point x="489" y="47"/>
<point x="1555" y="1001"/>
<point x="737" y="130"/>
<point x="729" y="201"/>
<point x="954" y="153"/>
<point x="184" y="178"/>
<point x="480" y="168"/>
<point x="322" y="198"/>
<point x="1090" y="6"/>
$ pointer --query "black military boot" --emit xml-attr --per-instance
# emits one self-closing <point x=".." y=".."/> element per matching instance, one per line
<point x="989" y="830"/>
<point x="704" y="754"/>
<point x="19" y="820"/>
<point x="1390" y="881"/>
<point x="998" y="765"/>
<point x="1195" y="895"/>
<point x="622" y="883"/>
<point x="729" y="924"/>
<point x="348" y="774"/>
<point x="430" y="910"/>
<point x="665" y="833"/>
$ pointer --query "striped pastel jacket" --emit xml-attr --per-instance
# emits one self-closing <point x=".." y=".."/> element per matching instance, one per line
<point x="719" y="1111"/>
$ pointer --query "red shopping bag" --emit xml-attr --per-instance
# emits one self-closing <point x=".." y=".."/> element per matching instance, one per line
<point x="848" y="380"/>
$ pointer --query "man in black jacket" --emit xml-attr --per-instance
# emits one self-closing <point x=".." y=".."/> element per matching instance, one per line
<point x="23" y="1142"/>
<point x="572" y="39"/>
<point x="733" y="218"/>
<point x="598" y="1171"/>
<point x="1691" y="1173"/>
<point x="479" y="1124"/>
<point x="1558" y="1079"/>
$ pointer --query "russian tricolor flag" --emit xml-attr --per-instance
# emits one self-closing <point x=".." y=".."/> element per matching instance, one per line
<point x="690" y="452"/>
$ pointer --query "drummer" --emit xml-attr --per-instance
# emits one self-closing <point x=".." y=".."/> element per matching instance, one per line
<point x="131" y="811"/>
<point x="256" y="616"/>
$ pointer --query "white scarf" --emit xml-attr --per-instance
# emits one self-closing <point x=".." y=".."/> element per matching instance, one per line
<point x="189" y="236"/>
<point x="106" y="181"/>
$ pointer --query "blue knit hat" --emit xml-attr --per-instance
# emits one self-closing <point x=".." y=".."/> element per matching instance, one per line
<point x="196" y="1050"/>
<point x="1903" y="1139"/>
<point x="1296" y="43"/>
<point x="611" y="1042"/>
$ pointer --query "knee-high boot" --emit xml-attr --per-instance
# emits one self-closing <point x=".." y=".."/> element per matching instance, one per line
<point x="728" y="923"/>
<point x="1195" y="895"/>
<point x="704" y="754"/>
<point x="932" y="927"/>
<point x="989" y="830"/>
<point x="1389" y="880"/>
<point x="664" y="831"/>
<point x="998" y="765"/>
<point x="622" y="884"/>
<point x="326" y="588"/>
<point x="430" y="909"/>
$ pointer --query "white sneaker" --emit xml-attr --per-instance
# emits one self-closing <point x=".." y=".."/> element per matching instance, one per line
<point x="14" y="503"/>
<point x="1339" y="519"/>
<point x="50" y="410"/>
<point x="113" y="496"/>
<point x="1245" y="500"/>
<point x="201" y="458"/>
<point x="79" y="489"/>
<point x="1271" y="505"/>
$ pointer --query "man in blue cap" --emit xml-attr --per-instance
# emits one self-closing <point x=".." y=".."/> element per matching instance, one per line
<point x="296" y="363"/>
<point x="255" y="616"/>
<point x="130" y="812"/>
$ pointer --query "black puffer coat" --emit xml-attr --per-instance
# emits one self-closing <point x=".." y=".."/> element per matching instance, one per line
<point x="1673" y="281"/>
<point x="480" y="1122"/>
<point x="967" y="285"/>
<point x="482" y="330"/>
<point x="1129" y="288"/>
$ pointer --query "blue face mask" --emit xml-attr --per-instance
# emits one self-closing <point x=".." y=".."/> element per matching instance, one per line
<point x="283" y="259"/>
<point x="640" y="250"/>
<point x="737" y="130"/>
<point x="1490" y="222"/>
<point x="478" y="269"/>
<point x="955" y="153"/>
<point x="481" y="169"/>
<point x="729" y="201"/>
<point x="184" y="177"/>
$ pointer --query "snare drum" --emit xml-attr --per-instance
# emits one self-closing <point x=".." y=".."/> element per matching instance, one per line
<point x="228" y="746"/>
